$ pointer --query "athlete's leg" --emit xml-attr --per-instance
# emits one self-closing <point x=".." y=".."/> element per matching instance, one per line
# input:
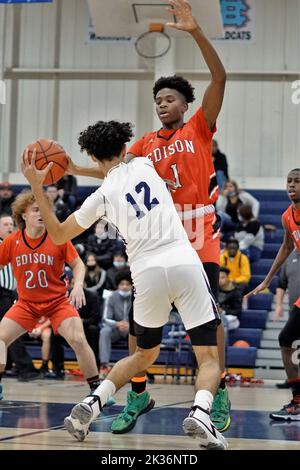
<point x="72" y="330"/>
<point x="84" y="413"/>
<point x="9" y="332"/>
<point x="287" y="338"/>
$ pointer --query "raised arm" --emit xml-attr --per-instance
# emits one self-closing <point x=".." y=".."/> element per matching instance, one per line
<point x="213" y="97"/>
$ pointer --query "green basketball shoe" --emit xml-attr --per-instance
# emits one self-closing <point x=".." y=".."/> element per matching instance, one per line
<point x="220" y="412"/>
<point x="137" y="404"/>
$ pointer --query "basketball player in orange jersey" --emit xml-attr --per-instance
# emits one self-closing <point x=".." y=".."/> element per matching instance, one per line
<point x="291" y="331"/>
<point x="38" y="266"/>
<point x="182" y="153"/>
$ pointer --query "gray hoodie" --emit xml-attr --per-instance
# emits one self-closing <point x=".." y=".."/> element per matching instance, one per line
<point x="117" y="308"/>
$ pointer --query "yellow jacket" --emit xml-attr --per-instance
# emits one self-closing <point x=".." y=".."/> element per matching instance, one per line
<point x="239" y="266"/>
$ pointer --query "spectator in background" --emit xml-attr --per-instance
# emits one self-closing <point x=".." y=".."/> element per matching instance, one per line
<point x="249" y="234"/>
<point x="101" y="245"/>
<point x="116" y="322"/>
<point x="95" y="276"/>
<point x="17" y="353"/>
<point x="237" y="263"/>
<point x="289" y="280"/>
<point x="67" y="188"/>
<point x="227" y="206"/>
<point x="7" y="197"/>
<point x="230" y="300"/>
<point x="61" y="209"/>
<point x="220" y="164"/>
<point x="119" y="264"/>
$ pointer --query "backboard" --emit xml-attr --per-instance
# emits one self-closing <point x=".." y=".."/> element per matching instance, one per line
<point x="132" y="18"/>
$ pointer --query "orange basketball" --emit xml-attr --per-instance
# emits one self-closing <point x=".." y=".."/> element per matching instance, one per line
<point x="49" y="151"/>
<point x="241" y="344"/>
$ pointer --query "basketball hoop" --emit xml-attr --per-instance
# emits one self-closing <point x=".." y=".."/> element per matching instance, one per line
<point x="153" y="43"/>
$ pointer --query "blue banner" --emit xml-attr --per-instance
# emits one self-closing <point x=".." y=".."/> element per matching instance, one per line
<point x="25" y="1"/>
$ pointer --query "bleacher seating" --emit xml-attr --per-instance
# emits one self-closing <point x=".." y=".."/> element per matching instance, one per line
<point x="260" y="302"/>
<point x="257" y="279"/>
<point x="254" y="319"/>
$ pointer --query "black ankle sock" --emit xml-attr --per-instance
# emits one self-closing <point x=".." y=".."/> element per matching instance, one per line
<point x="138" y="384"/>
<point x="222" y="383"/>
<point x="44" y="365"/>
<point x="295" y="385"/>
<point x="93" y="382"/>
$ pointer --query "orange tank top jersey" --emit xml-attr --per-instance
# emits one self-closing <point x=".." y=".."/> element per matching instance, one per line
<point x="38" y="265"/>
<point x="183" y="155"/>
<point x="291" y="218"/>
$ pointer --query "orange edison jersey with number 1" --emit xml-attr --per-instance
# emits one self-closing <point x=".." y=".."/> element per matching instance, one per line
<point x="184" y="156"/>
<point x="291" y="221"/>
<point x="38" y="265"/>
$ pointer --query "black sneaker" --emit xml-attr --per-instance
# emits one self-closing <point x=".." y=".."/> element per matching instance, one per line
<point x="55" y="374"/>
<point x="284" y="384"/>
<point x="29" y="375"/>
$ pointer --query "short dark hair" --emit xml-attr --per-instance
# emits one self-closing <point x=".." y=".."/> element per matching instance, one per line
<point x="177" y="83"/>
<point x="245" y="211"/>
<point x="295" y="169"/>
<point x="123" y="275"/>
<point x="105" y="140"/>
<point x="223" y="269"/>
<point x="232" y="241"/>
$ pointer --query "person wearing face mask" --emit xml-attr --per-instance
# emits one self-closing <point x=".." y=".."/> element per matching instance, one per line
<point x="102" y="245"/>
<point x="94" y="276"/>
<point x="119" y="264"/>
<point x="116" y="324"/>
<point x="228" y="204"/>
<point x="249" y="234"/>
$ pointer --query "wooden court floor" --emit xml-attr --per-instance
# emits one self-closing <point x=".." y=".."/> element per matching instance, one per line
<point x="32" y="414"/>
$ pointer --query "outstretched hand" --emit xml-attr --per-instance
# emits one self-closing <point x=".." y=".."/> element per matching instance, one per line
<point x="184" y="16"/>
<point x="262" y="286"/>
<point x="29" y="170"/>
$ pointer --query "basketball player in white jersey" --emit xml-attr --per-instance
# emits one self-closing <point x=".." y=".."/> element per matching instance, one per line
<point x="165" y="270"/>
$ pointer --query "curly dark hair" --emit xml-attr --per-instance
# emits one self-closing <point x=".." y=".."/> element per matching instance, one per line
<point x="177" y="83"/>
<point x="105" y="140"/>
<point x="123" y="275"/>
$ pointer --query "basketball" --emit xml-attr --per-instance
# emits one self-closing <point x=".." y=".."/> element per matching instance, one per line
<point x="241" y="344"/>
<point x="49" y="151"/>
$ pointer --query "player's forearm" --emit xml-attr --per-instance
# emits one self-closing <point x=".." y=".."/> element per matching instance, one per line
<point x="279" y="296"/>
<point x="282" y="255"/>
<point x="78" y="274"/>
<point x="53" y="225"/>
<point x="92" y="171"/>
<point x="210" y="56"/>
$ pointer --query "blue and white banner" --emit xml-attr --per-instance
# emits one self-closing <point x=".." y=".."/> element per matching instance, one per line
<point x="238" y="20"/>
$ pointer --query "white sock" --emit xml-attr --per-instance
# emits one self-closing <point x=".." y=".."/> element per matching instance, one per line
<point x="105" y="390"/>
<point x="204" y="398"/>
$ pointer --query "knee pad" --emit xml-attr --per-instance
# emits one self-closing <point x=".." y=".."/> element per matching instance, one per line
<point x="147" y="338"/>
<point x="3" y="353"/>
<point x="284" y="339"/>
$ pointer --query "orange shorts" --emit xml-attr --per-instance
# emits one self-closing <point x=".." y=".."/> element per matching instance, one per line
<point x="27" y="314"/>
<point x="203" y="239"/>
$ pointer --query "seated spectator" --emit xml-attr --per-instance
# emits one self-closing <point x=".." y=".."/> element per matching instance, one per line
<point x="67" y="188"/>
<point x="42" y="331"/>
<point x="101" y="245"/>
<point x="61" y="209"/>
<point x="227" y="206"/>
<point x="116" y="324"/>
<point x="237" y="263"/>
<point x="91" y="315"/>
<point x="220" y="164"/>
<point x="250" y="234"/>
<point x="94" y="276"/>
<point x="119" y="264"/>
<point x="7" y="197"/>
<point x="230" y="300"/>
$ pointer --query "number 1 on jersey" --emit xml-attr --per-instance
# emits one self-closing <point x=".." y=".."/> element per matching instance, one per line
<point x="176" y="176"/>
